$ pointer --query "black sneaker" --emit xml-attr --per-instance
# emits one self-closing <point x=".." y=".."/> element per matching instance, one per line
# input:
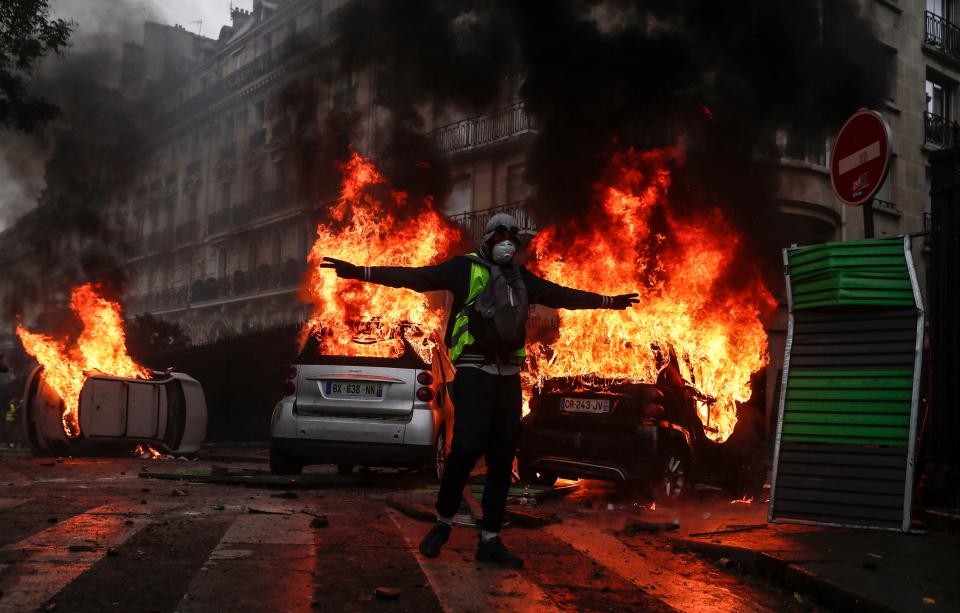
<point x="493" y="550"/>
<point x="438" y="535"/>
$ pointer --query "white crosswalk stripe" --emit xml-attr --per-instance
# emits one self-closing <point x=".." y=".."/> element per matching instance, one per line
<point x="280" y="547"/>
<point x="607" y="550"/>
<point x="47" y="564"/>
<point x="460" y="587"/>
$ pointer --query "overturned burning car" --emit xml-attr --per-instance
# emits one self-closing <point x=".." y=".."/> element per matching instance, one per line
<point x="166" y="411"/>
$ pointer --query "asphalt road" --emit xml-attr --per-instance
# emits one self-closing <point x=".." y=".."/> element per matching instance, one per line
<point x="95" y="535"/>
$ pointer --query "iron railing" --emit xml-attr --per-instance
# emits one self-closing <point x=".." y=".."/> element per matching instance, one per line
<point x="474" y="222"/>
<point x="477" y="132"/>
<point x="939" y="131"/>
<point x="942" y="34"/>
<point x="241" y="213"/>
<point x="241" y="283"/>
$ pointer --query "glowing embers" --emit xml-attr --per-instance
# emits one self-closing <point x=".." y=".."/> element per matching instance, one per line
<point x="700" y="299"/>
<point x="372" y="224"/>
<point x="100" y="347"/>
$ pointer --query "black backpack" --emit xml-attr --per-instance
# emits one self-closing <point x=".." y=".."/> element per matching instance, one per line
<point x="497" y="317"/>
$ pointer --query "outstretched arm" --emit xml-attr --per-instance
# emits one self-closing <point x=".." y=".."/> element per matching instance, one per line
<point x="421" y="278"/>
<point x="557" y="296"/>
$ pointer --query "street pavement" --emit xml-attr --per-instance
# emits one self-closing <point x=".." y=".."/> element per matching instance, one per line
<point x="93" y="534"/>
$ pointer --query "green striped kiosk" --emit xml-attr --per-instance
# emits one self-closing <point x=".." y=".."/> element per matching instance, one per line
<point x="847" y="421"/>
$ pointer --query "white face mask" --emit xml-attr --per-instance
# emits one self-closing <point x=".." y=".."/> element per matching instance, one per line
<point x="503" y="252"/>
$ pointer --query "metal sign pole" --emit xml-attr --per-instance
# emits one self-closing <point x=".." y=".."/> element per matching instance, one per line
<point x="868" y="219"/>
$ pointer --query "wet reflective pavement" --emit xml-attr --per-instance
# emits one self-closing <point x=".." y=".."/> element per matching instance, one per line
<point x="91" y="535"/>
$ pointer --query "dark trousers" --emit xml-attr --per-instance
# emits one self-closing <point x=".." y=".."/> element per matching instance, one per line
<point x="486" y="422"/>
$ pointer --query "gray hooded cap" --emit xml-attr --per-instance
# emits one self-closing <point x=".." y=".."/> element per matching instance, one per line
<point x="500" y="219"/>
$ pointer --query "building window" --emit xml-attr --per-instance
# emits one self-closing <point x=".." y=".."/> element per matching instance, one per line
<point x="802" y="146"/>
<point x="460" y="199"/>
<point x="517" y="188"/>
<point x="258" y="111"/>
<point x="938" y="99"/>
<point x="221" y="263"/>
<point x="237" y="59"/>
<point x="938" y="127"/>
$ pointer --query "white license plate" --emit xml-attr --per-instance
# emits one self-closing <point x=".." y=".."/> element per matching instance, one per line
<point x="346" y="389"/>
<point x="586" y="405"/>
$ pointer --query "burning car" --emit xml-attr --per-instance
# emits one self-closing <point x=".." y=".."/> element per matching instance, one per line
<point x="363" y="410"/>
<point x="614" y="431"/>
<point x="166" y="411"/>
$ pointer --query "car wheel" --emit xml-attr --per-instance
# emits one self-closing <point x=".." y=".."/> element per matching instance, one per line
<point x="282" y="465"/>
<point x="440" y="454"/>
<point x="345" y="469"/>
<point x="530" y="476"/>
<point x="671" y="475"/>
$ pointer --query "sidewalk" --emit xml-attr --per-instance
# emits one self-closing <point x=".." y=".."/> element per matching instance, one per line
<point x="843" y="569"/>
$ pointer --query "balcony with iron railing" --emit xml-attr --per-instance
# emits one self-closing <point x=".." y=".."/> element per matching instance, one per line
<point x="484" y="131"/>
<point x="474" y="222"/>
<point x="942" y="35"/>
<point x="939" y="131"/>
<point x="266" y="279"/>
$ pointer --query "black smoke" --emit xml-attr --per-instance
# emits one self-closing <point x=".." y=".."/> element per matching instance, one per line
<point x="720" y="77"/>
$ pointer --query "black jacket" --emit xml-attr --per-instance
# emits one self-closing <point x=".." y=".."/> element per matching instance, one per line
<point x="453" y="276"/>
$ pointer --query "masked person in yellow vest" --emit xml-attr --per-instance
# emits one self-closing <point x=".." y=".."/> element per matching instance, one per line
<point x="485" y="335"/>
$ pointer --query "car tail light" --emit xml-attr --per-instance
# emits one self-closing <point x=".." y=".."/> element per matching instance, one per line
<point x="292" y="372"/>
<point x="653" y="410"/>
<point x="425" y="394"/>
<point x="424" y="378"/>
<point x="289" y="388"/>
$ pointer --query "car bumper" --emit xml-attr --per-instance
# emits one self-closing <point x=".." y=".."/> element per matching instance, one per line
<point x="313" y="451"/>
<point x="613" y="456"/>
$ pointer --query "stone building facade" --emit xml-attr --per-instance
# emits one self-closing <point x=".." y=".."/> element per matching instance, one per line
<point x="217" y="220"/>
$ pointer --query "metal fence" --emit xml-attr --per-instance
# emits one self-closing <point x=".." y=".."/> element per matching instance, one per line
<point x="942" y="34"/>
<point x="473" y="222"/>
<point x="939" y="131"/>
<point x="484" y="130"/>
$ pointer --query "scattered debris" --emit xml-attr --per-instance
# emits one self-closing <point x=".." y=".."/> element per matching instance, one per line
<point x="731" y="529"/>
<point x="218" y="507"/>
<point x="286" y="495"/>
<point x="724" y="562"/>
<point x="320" y="521"/>
<point x="928" y="600"/>
<point x="178" y="493"/>
<point x="411" y="509"/>
<point x="531" y="519"/>
<point x="387" y="593"/>
<point x="633" y="528"/>
<point x="267" y="510"/>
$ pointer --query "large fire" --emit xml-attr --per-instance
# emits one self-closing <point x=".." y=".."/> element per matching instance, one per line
<point x="699" y="300"/>
<point x="368" y="227"/>
<point x="100" y="347"/>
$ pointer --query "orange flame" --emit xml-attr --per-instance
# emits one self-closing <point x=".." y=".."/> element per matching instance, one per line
<point x="146" y="452"/>
<point x="681" y="267"/>
<point x="368" y="227"/>
<point x="100" y="347"/>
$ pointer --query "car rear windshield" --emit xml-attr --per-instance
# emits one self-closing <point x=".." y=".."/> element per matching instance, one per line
<point x="311" y="355"/>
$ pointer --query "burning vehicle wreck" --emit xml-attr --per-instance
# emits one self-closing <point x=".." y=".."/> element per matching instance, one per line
<point x="167" y="412"/>
<point x="88" y="396"/>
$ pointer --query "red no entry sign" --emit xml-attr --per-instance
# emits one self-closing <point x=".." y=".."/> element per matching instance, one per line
<point x="861" y="157"/>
